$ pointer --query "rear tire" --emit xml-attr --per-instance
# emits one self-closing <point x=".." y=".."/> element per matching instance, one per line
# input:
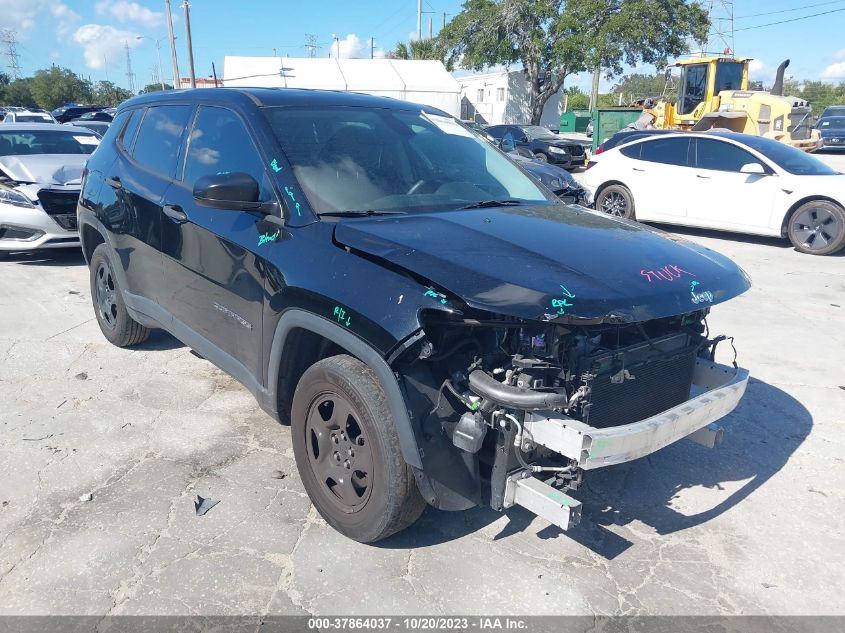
<point x="115" y="323"/>
<point x="616" y="200"/>
<point x="347" y="451"/>
<point x="817" y="228"/>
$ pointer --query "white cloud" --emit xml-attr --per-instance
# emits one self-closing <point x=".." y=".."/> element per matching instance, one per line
<point x="103" y="45"/>
<point x="66" y="17"/>
<point x="353" y="46"/>
<point x="125" y="11"/>
<point x="834" y="71"/>
<point x="839" y="55"/>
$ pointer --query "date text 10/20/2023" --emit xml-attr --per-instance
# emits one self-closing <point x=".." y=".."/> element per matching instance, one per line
<point x="418" y="623"/>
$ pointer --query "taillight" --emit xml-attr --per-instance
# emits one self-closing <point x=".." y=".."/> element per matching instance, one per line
<point x="590" y="163"/>
<point x="599" y="149"/>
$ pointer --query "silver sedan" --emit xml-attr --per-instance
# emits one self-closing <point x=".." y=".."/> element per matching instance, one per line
<point x="40" y="174"/>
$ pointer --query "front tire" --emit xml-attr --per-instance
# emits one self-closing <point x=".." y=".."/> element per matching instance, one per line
<point x="347" y="451"/>
<point x="818" y="228"/>
<point x="616" y="200"/>
<point x="115" y="323"/>
<point x="541" y="157"/>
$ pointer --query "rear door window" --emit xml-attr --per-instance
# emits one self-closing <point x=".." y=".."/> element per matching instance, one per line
<point x="669" y="151"/>
<point x="158" y="142"/>
<point x="721" y="156"/>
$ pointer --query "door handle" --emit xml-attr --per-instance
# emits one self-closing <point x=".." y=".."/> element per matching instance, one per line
<point x="175" y="212"/>
<point x="702" y="177"/>
<point x="113" y="181"/>
<point x="637" y="169"/>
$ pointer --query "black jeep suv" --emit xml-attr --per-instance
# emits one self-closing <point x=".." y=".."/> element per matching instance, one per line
<point x="434" y="325"/>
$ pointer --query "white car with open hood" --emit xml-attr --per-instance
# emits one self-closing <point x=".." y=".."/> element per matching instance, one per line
<point x="725" y="181"/>
<point x="40" y="175"/>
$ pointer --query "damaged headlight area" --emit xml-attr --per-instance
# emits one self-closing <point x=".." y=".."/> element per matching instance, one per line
<point x="523" y="398"/>
<point x="15" y="198"/>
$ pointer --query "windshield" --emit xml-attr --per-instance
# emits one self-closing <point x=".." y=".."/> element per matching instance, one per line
<point x="28" y="142"/>
<point x="789" y="158"/>
<point x="354" y="160"/>
<point x="535" y="132"/>
<point x="832" y="124"/>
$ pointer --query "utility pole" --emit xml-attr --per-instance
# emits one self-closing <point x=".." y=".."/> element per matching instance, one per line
<point x="336" y="41"/>
<point x="444" y="19"/>
<point x="10" y="39"/>
<point x="129" y="74"/>
<point x="311" y="44"/>
<point x="429" y="28"/>
<point x="176" y="82"/>
<point x="187" y="7"/>
<point x="594" y="93"/>
<point x="372" y="47"/>
<point x="721" y="38"/>
<point x="419" y="19"/>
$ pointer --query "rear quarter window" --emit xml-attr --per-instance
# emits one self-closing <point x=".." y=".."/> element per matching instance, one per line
<point x="159" y="138"/>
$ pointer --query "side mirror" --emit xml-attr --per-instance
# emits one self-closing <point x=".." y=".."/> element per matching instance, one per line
<point x="523" y="139"/>
<point x="235" y="191"/>
<point x="507" y="144"/>
<point x="753" y="168"/>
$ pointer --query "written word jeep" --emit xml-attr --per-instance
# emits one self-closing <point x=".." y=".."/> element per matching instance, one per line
<point x="434" y="325"/>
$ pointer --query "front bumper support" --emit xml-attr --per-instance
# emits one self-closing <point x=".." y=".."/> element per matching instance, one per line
<point x="716" y="391"/>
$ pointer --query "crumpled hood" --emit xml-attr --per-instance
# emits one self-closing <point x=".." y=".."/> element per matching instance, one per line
<point x="48" y="169"/>
<point x="550" y="262"/>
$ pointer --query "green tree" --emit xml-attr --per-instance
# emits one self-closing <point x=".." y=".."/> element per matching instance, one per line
<point x="419" y="49"/>
<point x="577" y="99"/>
<point x="154" y="88"/>
<point x="51" y="88"/>
<point x="638" y="86"/>
<point x="108" y="93"/>
<point x="556" y="38"/>
<point x="19" y="93"/>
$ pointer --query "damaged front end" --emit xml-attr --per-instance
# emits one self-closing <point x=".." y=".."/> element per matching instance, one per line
<point x="513" y="411"/>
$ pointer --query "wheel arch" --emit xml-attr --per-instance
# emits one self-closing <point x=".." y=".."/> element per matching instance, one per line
<point x="91" y="238"/>
<point x="607" y="184"/>
<point x="797" y="205"/>
<point x="301" y="339"/>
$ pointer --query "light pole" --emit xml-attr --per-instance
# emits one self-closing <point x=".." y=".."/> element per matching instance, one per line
<point x="158" y="54"/>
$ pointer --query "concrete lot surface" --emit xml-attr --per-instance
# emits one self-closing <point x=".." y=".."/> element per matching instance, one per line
<point x="752" y="527"/>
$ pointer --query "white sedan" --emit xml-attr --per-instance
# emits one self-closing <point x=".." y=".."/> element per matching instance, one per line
<point x="725" y="181"/>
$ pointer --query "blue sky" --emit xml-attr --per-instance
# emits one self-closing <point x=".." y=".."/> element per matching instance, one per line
<point x="90" y="36"/>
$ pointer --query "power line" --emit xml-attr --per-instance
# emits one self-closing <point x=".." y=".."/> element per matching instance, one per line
<point x="803" y="17"/>
<point x="806" y="6"/>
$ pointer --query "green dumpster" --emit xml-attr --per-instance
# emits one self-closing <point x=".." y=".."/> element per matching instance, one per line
<point x="608" y="121"/>
<point x="574" y="121"/>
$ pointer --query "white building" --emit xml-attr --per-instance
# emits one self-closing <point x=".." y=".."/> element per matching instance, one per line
<point x="420" y="81"/>
<point x="502" y="97"/>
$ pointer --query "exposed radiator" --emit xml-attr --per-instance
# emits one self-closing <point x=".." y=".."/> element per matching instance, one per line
<point x="632" y="388"/>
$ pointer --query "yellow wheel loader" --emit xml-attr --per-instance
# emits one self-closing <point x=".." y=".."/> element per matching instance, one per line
<point x="714" y="94"/>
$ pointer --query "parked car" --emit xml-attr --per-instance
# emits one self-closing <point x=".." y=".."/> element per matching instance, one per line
<point x="71" y="112"/>
<point x="28" y="116"/>
<point x="725" y="181"/>
<point x="96" y="115"/>
<point x="832" y="129"/>
<point x="544" y="144"/>
<point x="40" y="174"/>
<point x="435" y="326"/>
<point x="838" y="110"/>
<point x="628" y="136"/>
<point x="97" y="127"/>
<point x="556" y="178"/>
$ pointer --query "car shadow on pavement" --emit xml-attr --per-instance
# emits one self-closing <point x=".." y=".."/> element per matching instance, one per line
<point x="680" y="487"/>
<point x="159" y="341"/>
<point x="53" y="257"/>
<point x="692" y="233"/>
